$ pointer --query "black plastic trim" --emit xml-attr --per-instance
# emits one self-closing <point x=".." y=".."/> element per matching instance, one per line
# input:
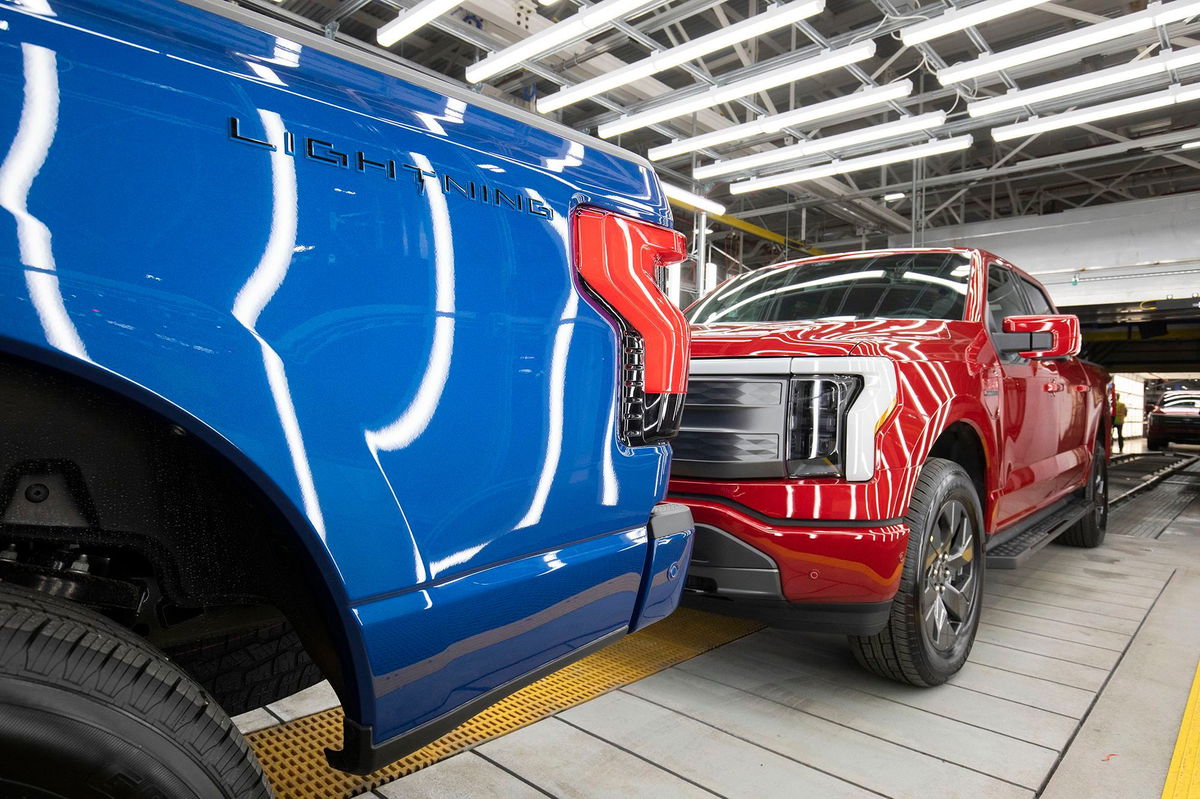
<point x="1011" y="531"/>
<point x="669" y="518"/>
<point x="1013" y="343"/>
<point x="847" y="618"/>
<point x="359" y="755"/>
<point x="851" y="524"/>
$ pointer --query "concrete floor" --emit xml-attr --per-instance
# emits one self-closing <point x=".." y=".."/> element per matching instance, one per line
<point x="1075" y="688"/>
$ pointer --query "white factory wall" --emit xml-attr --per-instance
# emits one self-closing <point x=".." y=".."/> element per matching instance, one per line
<point x="1121" y="252"/>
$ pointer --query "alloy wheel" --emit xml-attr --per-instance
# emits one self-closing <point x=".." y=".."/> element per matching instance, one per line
<point x="950" y="570"/>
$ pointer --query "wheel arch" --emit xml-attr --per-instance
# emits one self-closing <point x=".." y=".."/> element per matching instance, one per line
<point x="962" y="442"/>
<point x="199" y="558"/>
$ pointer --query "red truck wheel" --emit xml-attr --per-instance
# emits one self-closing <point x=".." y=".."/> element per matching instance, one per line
<point x="93" y="710"/>
<point x="936" y="611"/>
<point x="1089" y="531"/>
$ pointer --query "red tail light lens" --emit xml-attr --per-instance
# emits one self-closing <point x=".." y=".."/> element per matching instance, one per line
<point x="617" y="258"/>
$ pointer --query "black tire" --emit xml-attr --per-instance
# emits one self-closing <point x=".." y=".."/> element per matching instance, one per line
<point x="1089" y="531"/>
<point x="943" y="568"/>
<point x="249" y="669"/>
<point x="89" y="709"/>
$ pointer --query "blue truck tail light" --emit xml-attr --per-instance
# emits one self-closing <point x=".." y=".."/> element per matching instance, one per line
<point x="617" y="258"/>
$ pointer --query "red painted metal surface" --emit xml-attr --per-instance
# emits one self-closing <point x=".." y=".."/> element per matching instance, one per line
<point x="819" y="563"/>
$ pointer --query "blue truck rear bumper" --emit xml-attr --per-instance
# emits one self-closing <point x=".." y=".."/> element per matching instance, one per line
<point x="456" y="647"/>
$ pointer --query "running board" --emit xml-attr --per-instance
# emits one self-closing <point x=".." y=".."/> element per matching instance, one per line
<point x="1015" y="551"/>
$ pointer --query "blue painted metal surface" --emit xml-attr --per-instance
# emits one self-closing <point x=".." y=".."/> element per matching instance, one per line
<point x="410" y="371"/>
<point x="669" y="558"/>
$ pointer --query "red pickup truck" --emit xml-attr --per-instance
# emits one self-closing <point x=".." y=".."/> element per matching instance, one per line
<point x="863" y="433"/>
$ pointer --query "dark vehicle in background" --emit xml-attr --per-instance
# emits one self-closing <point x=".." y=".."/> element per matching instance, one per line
<point x="1174" y="420"/>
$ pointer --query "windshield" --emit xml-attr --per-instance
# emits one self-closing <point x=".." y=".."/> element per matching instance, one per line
<point x="897" y="286"/>
<point x="1180" y="401"/>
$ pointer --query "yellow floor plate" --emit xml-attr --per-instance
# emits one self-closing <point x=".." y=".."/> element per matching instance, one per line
<point x="1183" y="778"/>
<point x="292" y="754"/>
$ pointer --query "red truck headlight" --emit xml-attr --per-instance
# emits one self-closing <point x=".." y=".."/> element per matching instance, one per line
<point x="817" y="424"/>
<point x="617" y="258"/>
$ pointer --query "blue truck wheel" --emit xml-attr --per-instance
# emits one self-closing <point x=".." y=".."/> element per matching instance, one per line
<point x="94" y="710"/>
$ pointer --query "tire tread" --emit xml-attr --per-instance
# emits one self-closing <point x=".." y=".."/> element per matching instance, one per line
<point x="888" y="653"/>
<point x="55" y="643"/>
<point x="249" y="669"/>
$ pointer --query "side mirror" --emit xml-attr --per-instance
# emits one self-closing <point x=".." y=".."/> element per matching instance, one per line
<point x="1048" y="336"/>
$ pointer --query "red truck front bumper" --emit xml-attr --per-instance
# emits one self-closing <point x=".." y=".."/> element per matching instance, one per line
<point x="820" y="575"/>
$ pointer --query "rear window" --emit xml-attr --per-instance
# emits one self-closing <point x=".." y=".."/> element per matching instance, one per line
<point x="895" y="286"/>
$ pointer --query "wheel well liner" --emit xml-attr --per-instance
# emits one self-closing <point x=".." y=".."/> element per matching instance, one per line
<point x="150" y="478"/>
<point x="961" y="443"/>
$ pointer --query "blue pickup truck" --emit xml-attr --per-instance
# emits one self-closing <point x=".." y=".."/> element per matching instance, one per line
<point x="311" y="366"/>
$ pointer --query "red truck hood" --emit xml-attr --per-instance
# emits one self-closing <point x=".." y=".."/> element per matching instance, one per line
<point x="817" y="338"/>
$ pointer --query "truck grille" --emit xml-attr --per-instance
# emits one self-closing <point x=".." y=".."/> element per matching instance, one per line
<point x="733" y="427"/>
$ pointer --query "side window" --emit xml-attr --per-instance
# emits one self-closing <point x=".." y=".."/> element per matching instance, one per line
<point x="1039" y="303"/>
<point x="1004" y="296"/>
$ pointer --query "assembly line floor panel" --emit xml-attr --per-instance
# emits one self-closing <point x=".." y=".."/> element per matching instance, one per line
<point x="1075" y="688"/>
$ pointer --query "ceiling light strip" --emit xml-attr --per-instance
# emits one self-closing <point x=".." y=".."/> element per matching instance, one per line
<point x="413" y="19"/>
<point x="574" y="27"/>
<point x="957" y="19"/>
<point x="1081" y="116"/>
<point x="830" y="59"/>
<point x="691" y="198"/>
<point x="755" y="26"/>
<point x="931" y="148"/>
<point x="1113" y="76"/>
<point x="875" y="133"/>
<point x="807" y="115"/>
<point x="1156" y="14"/>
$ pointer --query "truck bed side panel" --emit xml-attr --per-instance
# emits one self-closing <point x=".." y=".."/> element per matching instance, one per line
<point x="360" y="285"/>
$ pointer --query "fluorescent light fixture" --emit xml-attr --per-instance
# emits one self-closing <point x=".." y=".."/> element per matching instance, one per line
<point x="930" y="148"/>
<point x="827" y="144"/>
<point x="691" y="198"/>
<point x="830" y="59"/>
<point x="1165" y="14"/>
<point x="1080" y="116"/>
<point x="747" y="29"/>
<point x="1019" y="98"/>
<point x="412" y="20"/>
<point x="574" y="27"/>
<point x="1192" y="145"/>
<point x="866" y="98"/>
<point x="1046" y="48"/>
<point x="957" y="19"/>
<point x="894" y="196"/>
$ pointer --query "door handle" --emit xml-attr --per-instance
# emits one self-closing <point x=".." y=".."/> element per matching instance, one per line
<point x="1053" y="386"/>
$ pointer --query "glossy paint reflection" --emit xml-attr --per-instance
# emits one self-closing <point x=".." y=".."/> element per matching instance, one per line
<point x="254" y="296"/>
<point x="556" y="391"/>
<point x="416" y="417"/>
<point x="28" y="153"/>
